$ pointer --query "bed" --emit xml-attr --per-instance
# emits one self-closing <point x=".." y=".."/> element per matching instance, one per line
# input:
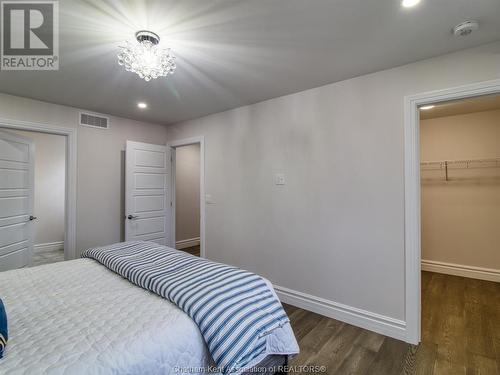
<point x="79" y="317"/>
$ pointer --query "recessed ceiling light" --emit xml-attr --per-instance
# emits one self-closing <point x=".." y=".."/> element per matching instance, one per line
<point x="409" y="3"/>
<point x="142" y="105"/>
<point x="426" y="107"/>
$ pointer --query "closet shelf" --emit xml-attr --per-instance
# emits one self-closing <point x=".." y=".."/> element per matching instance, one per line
<point x="447" y="165"/>
<point x="460" y="164"/>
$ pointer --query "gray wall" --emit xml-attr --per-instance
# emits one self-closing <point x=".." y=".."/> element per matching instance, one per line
<point x="100" y="176"/>
<point x="336" y="229"/>
<point x="187" y="192"/>
<point x="461" y="217"/>
<point x="50" y="180"/>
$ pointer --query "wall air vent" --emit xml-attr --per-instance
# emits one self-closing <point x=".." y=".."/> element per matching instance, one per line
<point x="94" y="120"/>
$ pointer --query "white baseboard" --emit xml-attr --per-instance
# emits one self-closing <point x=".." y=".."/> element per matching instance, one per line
<point x="488" y="274"/>
<point x="190" y="242"/>
<point x="361" y="318"/>
<point x="50" y="246"/>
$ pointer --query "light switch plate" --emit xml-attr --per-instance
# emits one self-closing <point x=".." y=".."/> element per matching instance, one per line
<point x="279" y="179"/>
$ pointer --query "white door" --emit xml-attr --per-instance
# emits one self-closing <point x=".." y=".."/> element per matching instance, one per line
<point x="16" y="200"/>
<point x="147" y="196"/>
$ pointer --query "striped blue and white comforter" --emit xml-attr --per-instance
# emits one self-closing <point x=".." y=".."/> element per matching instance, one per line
<point x="237" y="312"/>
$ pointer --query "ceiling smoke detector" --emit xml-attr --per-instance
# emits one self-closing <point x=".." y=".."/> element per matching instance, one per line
<point x="465" y="28"/>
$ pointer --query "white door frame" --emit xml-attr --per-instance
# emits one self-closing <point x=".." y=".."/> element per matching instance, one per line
<point x="173" y="145"/>
<point x="70" y="191"/>
<point x="412" y="191"/>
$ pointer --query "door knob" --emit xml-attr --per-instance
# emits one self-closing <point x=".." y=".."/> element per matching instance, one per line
<point x="33" y="218"/>
<point x="132" y="217"/>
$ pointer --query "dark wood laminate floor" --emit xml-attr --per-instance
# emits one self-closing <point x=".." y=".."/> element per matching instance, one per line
<point x="193" y="250"/>
<point x="460" y="335"/>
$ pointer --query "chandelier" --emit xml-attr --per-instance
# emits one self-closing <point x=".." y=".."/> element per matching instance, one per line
<point x="145" y="58"/>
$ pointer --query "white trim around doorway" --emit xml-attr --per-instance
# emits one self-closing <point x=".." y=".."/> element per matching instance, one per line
<point x="70" y="200"/>
<point x="412" y="191"/>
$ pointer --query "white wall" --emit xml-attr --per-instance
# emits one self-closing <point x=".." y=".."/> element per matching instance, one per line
<point x="50" y="180"/>
<point x="336" y="230"/>
<point x="461" y="217"/>
<point x="187" y="192"/>
<point x="100" y="176"/>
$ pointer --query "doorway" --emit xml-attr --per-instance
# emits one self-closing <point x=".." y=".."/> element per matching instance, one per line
<point x="33" y="179"/>
<point x="412" y="174"/>
<point x="187" y="186"/>
<point x="460" y="213"/>
<point x="22" y="210"/>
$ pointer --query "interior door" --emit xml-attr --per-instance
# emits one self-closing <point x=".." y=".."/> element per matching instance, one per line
<point x="16" y="200"/>
<point x="147" y="196"/>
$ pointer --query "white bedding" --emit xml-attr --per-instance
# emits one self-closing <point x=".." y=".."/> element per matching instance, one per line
<point x="78" y="317"/>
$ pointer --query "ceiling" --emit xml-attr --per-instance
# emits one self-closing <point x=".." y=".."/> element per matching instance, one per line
<point x="236" y="52"/>
<point x="460" y="107"/>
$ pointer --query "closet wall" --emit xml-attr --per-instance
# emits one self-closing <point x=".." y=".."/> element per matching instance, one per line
<point x="461" y="216"/>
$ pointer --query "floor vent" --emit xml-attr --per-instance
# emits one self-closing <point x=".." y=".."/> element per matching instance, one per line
<point x="94" y="120"/>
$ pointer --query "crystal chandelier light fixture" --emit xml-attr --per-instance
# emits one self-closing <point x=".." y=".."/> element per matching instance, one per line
<point x="145" y="57"/>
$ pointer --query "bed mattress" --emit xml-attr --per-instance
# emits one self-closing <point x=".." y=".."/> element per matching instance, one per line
<point x="77" y="317"/>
